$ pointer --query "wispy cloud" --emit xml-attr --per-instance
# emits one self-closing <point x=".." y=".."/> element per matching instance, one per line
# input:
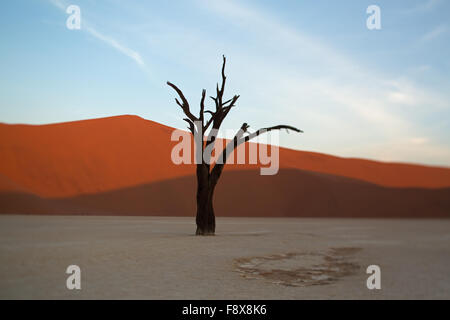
<point x="424" y="7"/>
<point x="59" y="4"/>
<point x="435" y="33"/>
<point x="110" y="41"/>
<point x="418" y="140"/>
<point x="116" y="45"/>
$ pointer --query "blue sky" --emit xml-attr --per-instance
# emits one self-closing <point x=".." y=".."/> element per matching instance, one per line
<point x="379" y="94"/>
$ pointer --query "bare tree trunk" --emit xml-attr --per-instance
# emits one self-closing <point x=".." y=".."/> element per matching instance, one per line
<point x="205" y="219"/>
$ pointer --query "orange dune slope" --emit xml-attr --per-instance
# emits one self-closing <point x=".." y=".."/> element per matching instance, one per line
<point x="99" y="156"/>
<point x="88" y="156"/>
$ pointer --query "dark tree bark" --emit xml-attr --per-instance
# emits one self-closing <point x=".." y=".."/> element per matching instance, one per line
<point x="207" y="178"/>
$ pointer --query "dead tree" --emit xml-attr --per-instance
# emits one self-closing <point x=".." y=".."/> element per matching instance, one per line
<point x="208" y="177"/>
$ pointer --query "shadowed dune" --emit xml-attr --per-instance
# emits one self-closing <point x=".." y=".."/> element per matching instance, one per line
<point x="290" y="193"/>
<point x="121" y="165"/>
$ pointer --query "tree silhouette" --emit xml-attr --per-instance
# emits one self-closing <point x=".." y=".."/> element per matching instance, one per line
<point x="208" y="177"/>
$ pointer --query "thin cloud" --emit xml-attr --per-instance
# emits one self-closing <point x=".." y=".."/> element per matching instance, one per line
<point x="59" y="4"/>
<point x="418" y="140"/>
<point x="433" y="34"/>
<point x="116" y="45"/>
<point x="110" y="41"/>
<point x="424" y="7"/>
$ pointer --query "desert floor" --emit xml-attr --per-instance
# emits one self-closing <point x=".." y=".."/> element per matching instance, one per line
<point x="249" y="258"/>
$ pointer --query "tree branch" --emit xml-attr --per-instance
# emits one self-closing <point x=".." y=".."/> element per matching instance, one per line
<point x="191" y="125"/>
<point x="202" y="106"/>
<point x="264" y="130"/>
<point x="217" y="119"/>
<point x="185" y="104"/>
<point x="224" y="78"/>
<point x="238" y="139"/>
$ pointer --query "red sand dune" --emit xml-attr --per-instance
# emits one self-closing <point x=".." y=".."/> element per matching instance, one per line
<point x="121" y="165"/>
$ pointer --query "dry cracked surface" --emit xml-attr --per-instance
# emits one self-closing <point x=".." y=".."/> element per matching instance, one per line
<point x="300" y="269"/>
